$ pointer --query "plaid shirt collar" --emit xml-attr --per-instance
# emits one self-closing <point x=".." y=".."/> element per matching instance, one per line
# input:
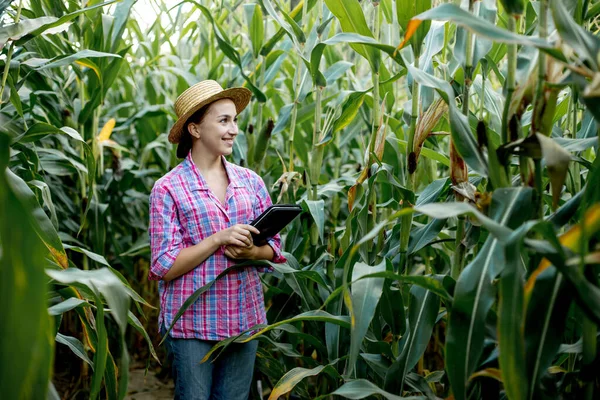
<point x="196" y="181"/>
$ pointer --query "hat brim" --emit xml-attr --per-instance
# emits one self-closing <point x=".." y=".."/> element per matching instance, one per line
<point x="239" y="95"/>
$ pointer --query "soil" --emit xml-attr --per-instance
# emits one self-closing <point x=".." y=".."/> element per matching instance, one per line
<point x="144" y="386"/>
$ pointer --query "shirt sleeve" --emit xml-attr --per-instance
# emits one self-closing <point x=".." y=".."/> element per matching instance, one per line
<point x="166" y="239"/>
<point x="262" y="202"/>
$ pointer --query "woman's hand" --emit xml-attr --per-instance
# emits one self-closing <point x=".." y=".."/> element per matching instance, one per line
<point x="239" y="235"/>
<point x="241" y="253"/>
<point x="264" y="252"/>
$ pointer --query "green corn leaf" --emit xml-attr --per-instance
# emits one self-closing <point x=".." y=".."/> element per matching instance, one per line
<point x="437" y="284"/>
<point x="15" y="99"/>
<point x="582" y="41"/>
<point x="109" y="74"/>
<point x="40" y="130"/>
<point x="367" y="41"/>
<point x="365" y="296"/>
<point x="121" y="15"/>
<point x="288" y="24"/>
<point x="228" y="49"/>
<point x="43" y="227"/>
<point x="549" y="296"/>
<point x="76" y="347"/>
<point x="49" y="24"/>
<point x="296" y="14"/>
<point x="135" y="322"/>
<point x="592" y="196"/>
<point x="4" y="5"/>
<point x="315" y="315"/>
<point x="102" y="281"/>
<point x="349" y="110"/>
<point x="511" y="324"/>
<point x="67" y="305"/>
<point x="423" y="310"/>
<point x="110" y="378"/>
<point x="387" y="8"/>
<point x="422" y="236"/>
<point x="352" y="19"/>
<point x="361" y="388"/>
<point x="392" y="310"/>
<point x="474" y="293"/>
<point x="378" y="363"/>
<point x="254" y="19"/>
<point x="16" y="31"/>
<point x="26" y="329"/>
<point x="545" y="323"/>
<point x="336" y="71"/>
<point x="294" y="376"/>
<point x="451" y="12"/>
<point x="316" y="208"/>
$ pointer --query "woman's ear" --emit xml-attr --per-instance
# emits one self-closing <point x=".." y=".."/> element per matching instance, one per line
<point x="194" y="130"/>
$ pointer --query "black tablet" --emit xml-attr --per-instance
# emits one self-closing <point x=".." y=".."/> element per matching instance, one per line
<point x="273" y="220"/>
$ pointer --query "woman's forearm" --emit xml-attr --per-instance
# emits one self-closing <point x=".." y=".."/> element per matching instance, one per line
<point x="264" y="253"/>
<point x="190" y="257"/>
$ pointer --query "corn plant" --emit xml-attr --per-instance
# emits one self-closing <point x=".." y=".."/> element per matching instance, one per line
<point x="445" y="155"/>
<point x="56" y="75"/>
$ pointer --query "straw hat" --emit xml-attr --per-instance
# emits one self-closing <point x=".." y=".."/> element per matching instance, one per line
<point x="201" y="94"/>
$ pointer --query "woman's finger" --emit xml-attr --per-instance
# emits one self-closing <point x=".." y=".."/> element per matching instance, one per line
<point x="251" y="228"/>
<point x="247" y="241"/>
<point x="243" y="232"/>
<point x="232" y="252"/>
<point x="242" y="229"/>
<point x="239" y="243"/>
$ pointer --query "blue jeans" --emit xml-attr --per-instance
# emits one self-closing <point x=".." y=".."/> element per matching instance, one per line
<point x="227" y="378"/>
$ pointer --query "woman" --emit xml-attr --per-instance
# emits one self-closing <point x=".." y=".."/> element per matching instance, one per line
<point x="199" y="215"/>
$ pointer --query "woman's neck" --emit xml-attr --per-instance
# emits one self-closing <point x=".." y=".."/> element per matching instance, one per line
<point x="206" y="162"/>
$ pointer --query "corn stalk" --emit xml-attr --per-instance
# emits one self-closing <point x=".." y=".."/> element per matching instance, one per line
<point x="410" y="170"/>
<point x="9" y="55"/>
<point x="539" y="104"/>
<point x="297" y="87"/>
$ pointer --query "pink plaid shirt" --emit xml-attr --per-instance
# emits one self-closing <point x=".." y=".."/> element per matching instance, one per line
<point x="183" y="212"/>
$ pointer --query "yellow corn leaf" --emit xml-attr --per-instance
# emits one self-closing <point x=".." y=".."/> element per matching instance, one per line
<point x="458" y="169"/>
<point x="348" y="303"/>
<point x="556" y="369"/>
<point x="107" y="130"/>
<point x="493" y="373"/>
<point x="569" y="239"/>
<point x="412" y="27"/>
<point x="85" y="63"/>
<point x="426" y="123"/>
<point x="59" y="256"/>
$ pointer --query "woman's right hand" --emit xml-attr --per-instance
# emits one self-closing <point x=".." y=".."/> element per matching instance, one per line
<point x="237" y="235"/>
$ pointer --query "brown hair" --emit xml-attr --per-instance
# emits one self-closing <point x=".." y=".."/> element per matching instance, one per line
<point x="185" y="143"/>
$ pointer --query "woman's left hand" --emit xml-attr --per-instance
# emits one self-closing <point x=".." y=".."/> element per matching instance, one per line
<point x="241" y="253"/>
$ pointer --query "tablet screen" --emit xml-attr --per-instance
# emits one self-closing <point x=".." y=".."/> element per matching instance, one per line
<point x="273" y="220"/>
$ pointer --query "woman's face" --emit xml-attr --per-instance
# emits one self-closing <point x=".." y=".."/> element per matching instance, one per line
<point x="218" y="128"/>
